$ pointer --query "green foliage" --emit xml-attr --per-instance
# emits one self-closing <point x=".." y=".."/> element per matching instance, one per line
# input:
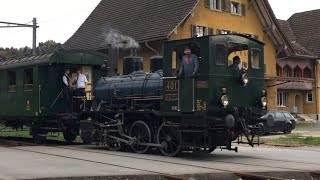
<point x="12" y="53"/>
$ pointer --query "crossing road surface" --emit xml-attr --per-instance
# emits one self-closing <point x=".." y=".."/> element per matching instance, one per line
<point x="28" y="162"/>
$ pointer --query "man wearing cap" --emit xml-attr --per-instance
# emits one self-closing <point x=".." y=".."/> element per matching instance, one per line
<point x="235" y="65"/>
<point x="189" y="65"/>
<point x="66" y="91"/>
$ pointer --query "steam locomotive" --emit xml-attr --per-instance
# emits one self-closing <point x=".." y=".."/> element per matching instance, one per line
<point x="190" y="113"/>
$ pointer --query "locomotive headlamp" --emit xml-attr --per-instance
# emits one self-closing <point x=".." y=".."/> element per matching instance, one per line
<point x="225" y="100"/>
<point x="245" y="79"/>
<point x="263" y="102"/>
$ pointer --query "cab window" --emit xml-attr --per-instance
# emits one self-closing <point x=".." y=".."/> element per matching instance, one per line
<point x="241" y="52"/>
<point x="221" y="54"/>
<point x="174" y="60"/>
<point x="255" y="58"/>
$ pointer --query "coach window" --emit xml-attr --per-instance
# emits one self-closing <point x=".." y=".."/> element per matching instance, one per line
<point x="255" y="58"/>
<point x="12" y="81"/>
<point x="28" y="79"/>
<point x="221" y="54"/>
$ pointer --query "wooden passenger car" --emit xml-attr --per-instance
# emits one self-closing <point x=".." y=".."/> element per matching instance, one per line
<point x="30" y="91"/>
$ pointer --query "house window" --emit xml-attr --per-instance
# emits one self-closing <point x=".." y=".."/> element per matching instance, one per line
<point x="287" y="71"/>
<point x="199" y="31"/>
<point x="222" y="31"/>
<point x="309" y="97"/>
<point x="282" y="99"/>
<point x="215" y="4"/>
<point x="297" y="72"/>
<point x="28" y="79"/>
<point x="279" y="71"/>
<point x="235" y="8"/>
<point x="12" y="81"/>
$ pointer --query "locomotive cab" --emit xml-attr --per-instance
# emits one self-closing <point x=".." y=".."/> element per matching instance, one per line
<point x="232" y="99"/>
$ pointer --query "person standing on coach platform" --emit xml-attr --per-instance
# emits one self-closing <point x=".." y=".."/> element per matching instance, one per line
<point x="189" y="65"/>
<point x="66" y="91"/>
<point x="81" y="83"/>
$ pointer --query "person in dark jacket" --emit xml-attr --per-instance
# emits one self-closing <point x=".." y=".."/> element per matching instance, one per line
<point x="67" y="99"/>
<point x="189" y="64"/>
<point x="235" y="65"/>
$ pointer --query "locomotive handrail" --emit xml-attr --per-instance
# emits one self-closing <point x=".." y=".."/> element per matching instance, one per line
<point x="174" y="77"/>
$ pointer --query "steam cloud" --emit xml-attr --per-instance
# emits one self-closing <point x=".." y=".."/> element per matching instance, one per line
<point x="117" y="40"/>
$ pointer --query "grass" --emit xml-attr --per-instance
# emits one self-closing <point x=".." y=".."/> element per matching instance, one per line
<point x="306" y="125"/>
<point x="26" y="134"/>
<point x="294" y="140"/>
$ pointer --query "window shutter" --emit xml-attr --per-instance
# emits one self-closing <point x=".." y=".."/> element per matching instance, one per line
<point x="223" y="6"/>
<point x="226" y="6"/>
<point x="194" y="31"/>
<point x="207" y="3"/>
<point x="211" y="31"/>
<point x="206" y="31"/>
<point x="243" y="9"/>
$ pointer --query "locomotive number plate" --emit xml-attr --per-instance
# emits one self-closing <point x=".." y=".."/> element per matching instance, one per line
<point x="202" y="84"/>
<point x="171" y="97"/>
<point x="171" y="85"/>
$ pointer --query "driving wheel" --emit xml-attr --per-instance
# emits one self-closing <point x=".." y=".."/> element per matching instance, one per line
<point x="170" y="137"/>
<point x="142" y="134"/>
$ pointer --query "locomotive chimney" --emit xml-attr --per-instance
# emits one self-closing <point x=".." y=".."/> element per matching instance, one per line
<point x="132" y="63"/>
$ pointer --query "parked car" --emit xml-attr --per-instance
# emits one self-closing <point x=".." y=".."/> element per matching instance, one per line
<point x="283" y="122"/>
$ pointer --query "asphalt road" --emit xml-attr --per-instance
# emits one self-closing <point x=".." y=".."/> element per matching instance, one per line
<point x="28" y="162"/>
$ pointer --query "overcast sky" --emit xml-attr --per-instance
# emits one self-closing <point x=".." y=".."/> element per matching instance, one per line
<point x="59" y="19"/>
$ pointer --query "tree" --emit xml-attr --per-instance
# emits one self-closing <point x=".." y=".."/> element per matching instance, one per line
<point x="12" y="53"/>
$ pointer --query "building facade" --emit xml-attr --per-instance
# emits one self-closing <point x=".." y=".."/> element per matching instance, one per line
<point x="298" y="73"/>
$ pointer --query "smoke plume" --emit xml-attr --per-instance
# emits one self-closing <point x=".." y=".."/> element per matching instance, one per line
<point x="118" y="40"/>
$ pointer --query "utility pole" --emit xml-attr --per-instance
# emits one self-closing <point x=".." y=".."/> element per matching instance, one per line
<point x="33" y="26"/>
<point x="34" y="36"/>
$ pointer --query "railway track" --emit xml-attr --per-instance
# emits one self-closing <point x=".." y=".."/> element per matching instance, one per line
<point x="239" y="174"/>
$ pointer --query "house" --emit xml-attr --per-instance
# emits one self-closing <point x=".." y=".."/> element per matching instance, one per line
<point x="152" y="22"/>
<point x="298" y="73"/>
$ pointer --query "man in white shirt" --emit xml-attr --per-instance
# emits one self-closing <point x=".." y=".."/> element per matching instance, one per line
<point x="82" y="82"/>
